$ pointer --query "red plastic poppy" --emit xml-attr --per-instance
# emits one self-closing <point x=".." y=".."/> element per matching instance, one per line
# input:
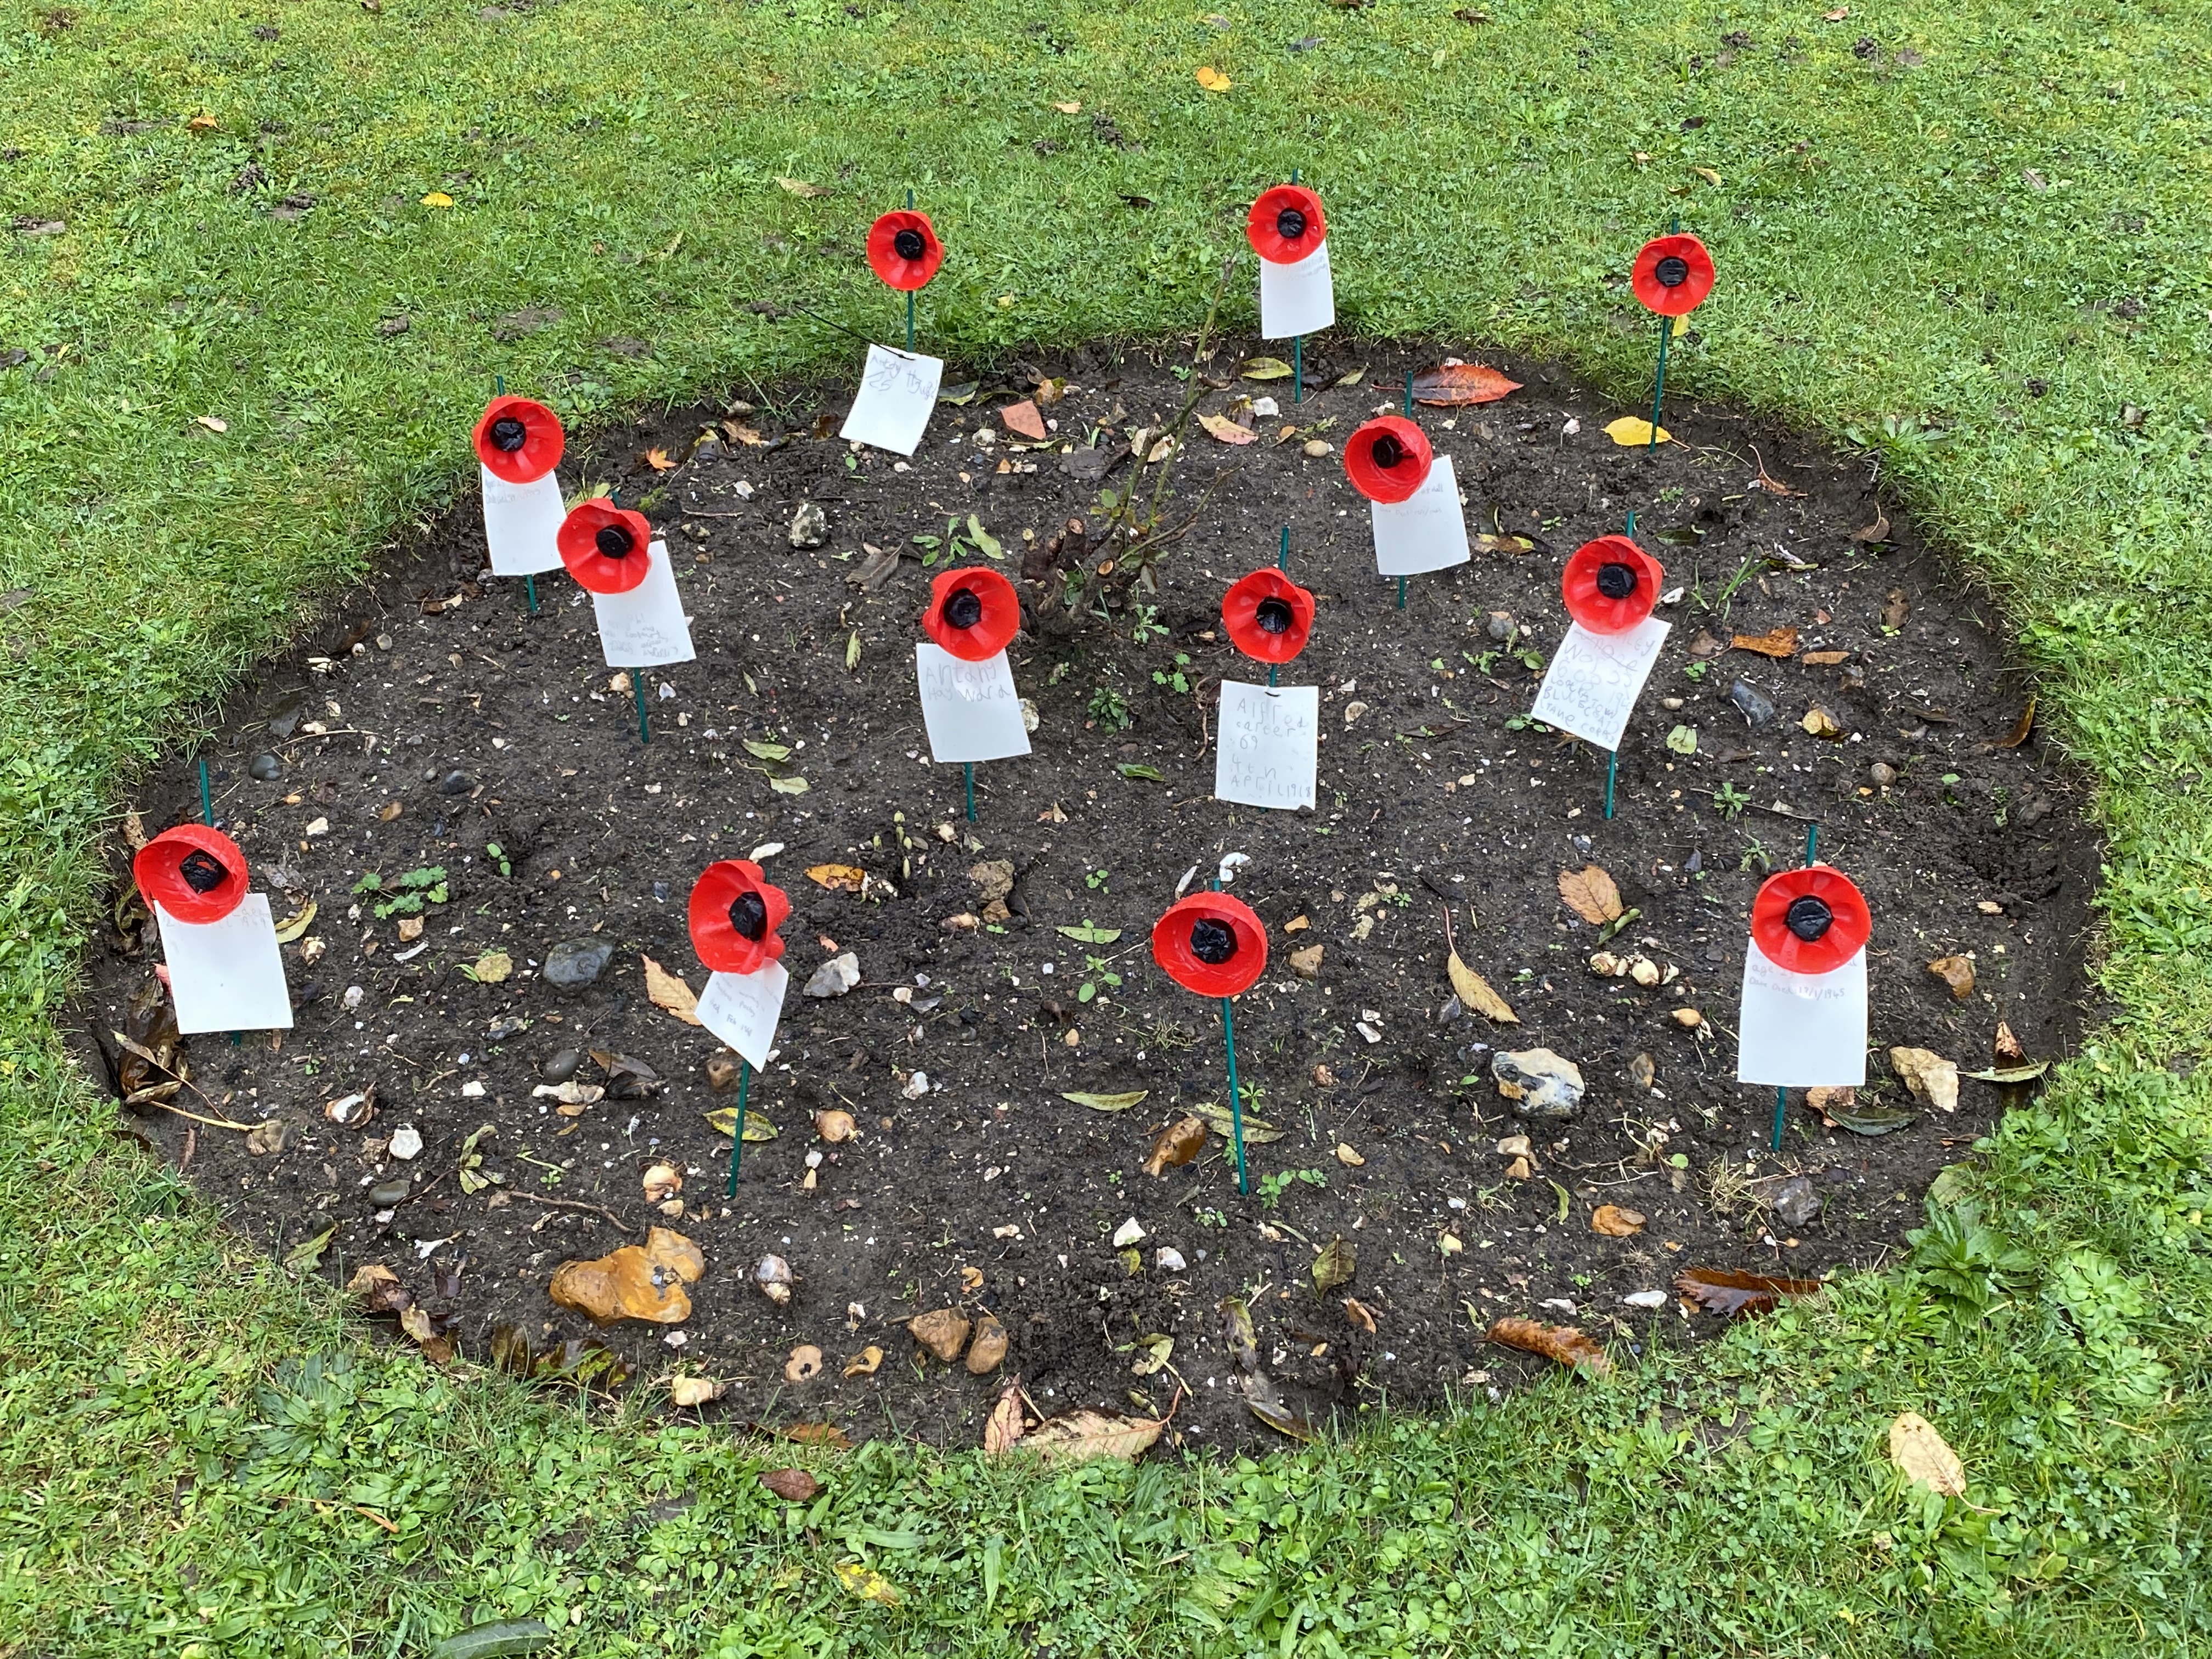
<point x="1269" y="616"/>
<point x="1673" y="275"/>
<point x="607" y="549"/>
<point x="1611" y="585"/>
<point x="1212" y="943"/>
<point x="1811" y="921"/>
<point x="193" y="871"/>
<point x="903" y="250"/>
<point x="735" y="911"/>
<point x="1285" y="224"/>
<point x="519" y="440"/>
<point x="973" y="613"/>
<point x="1388" y="458"/>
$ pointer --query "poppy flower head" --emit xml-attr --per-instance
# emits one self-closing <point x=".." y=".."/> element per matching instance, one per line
<point x="1673" y="275"/>
<point x="973" y="613"/>
<point x="518" y="440"/>
<point x="1811" y="921"/>
<point x="1285" y="224"/>
<point x="734" y="914"/>
<point x="1268" y="617"/>
<point x="1212" y="943"/>
<point x="903" y="250"/>
<point x="607" y="549"/>
<point x="1610" y="584"/>
<point x="193" y="871"/>
<point x="1388" y="458"/>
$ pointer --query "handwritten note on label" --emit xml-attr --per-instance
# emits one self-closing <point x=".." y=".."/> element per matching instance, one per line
<point x="897" y="395"/>
<point x="742" y="1009"/>
<point x="1427" y="531"/>
<point x="645" y="627"/>
<point x="227" y="975"/>
<point x="1594" y="680"/>
<point x="1265" y="755"/>
<point x="1299" y="298"/>
<point x="520" y="521"/>
<point x="970" y="710"/>
<point x="1802" y="1030"/>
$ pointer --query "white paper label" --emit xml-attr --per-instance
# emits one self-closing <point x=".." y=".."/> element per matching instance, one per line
<point x="971" y="709"/>
<point x="1427" y="531"/>
<point x="1594" y="680"/>
<point x="1802" y="1030"/>
<point x="897" y="394"/>
<point x="520" y="523"/>
<point x="646" y="627"/>
<point x="227" y="975"/>
<point x="742" y="1009"/>
<point x="1265" y="755"/>
<point x="1299" y="298"/>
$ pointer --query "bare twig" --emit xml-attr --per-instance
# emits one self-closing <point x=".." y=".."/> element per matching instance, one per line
<point x="578" y="1205"/>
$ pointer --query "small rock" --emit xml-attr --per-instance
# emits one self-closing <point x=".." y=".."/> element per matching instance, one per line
<point x="1318" y="447"/>
<point x="1501" y="627"/>
<point x="917" y="1085"/>
<point x="1129" y="1232"/>
<point x="265" y="768"/>
<point x="722" y="1072"/>
<point x="575" y="962"/>
<point x="1306" y="964"/>
<point x="1642" y="1073"/>
<point x="352" y="998"/>
<point x="835" y="976"/>
<point x="1796" y="1203"/>
<point x="943" y="1331"/>
<point x="456" y="783"/>
<point x="1882" y="774"/>
<point x="1755" y="708"/>
<point x="1167" y="1259"/>
<point x="1957" y="973"/>
<point x="1644" y="1299"/>
<point x="990" y="1348"/>
<point x="271" y="1138"/>
<point x="1538" y="1083"/>
<point x="387" y="1193"/>
<point x="809" y="526"/>
<point x="562" y="1066"/>
<point x="775" y="1277"/>
<point x="406" y="1143"/>
<point x="1928" y="1076"/>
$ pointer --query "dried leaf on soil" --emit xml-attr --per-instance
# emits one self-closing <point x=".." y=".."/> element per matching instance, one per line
<point x="1613" y="1222"/>
<point x="723" y="1120"/>
<point x="1007" y="1424"/>
<point x="668" y="992"/>
<point x="1723" y="1291"/>
<point x="1221" y="426"/>
<point x="437" y="1349"/>
<point x="1213" y="79"/>
<point x="689" y="1391"/>
<point x="800" y="187"/>
<point x="1776" y="642"/>
<point x="1266" y="369"/>
<point x="1178" y="1144"/>
<point x="307" y="1254"/>
<point x="943" y="1331"/>
<point x="634" y="1282"/>
<point x="1026" y="419"/>
<point x="1153" y="1353"/>
<point x="1455" y="385"/>
<point x="1359" y="1314"/>
<point x="2019" y="731"/>
<point x="838" y="878"/>
<point x="864" y="1363"/>
<point x="988" y="1350"/>
<point x="868" y="1584"/>
<point x="1562" y="1343"/>
<point x="586" y="1362"/>
<point x="1281" y="1418"/>
<point x="1087" y="934"/>
<point x="805" y="1363"/>
<point x="1121" y="1102"/>
<point x="1081" y="1435"/>
<point x="809" y="1434"/>
<point x="793" y="1485"/>
<point x="296" y="924"/>
<point x="1924" y="1455"/>
<point x="1334" y="1266"/>
<point x="659" y="461"/>
<point x="1475" y="992"/>
<point x="1591" y="894"/>
<point x="1258" y="1132"/>
<point x="1957" y="973"/>
<point x="379" y="1289"/>
<point x="1634" y="432"/>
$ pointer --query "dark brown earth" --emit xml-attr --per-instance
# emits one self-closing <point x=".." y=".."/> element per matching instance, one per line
<point x="992" y="1191"/>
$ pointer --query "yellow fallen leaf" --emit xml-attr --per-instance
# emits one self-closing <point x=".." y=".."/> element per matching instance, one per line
<point x="1213" y="79"/>
<point x="203" y="124"/>
<point x="838" y="878"/>
<point x="1227" y="430"/>
<point x="659" y="461"/>
<point x="1613" y="1222"/>
<point x="1634" y="432"/>
<point x="1923" y="1455"/>
<point x="1474" y="992"/>
<point x="867" y="1583"/>
<point x="437" y="199"/>
<point x="1072" y="106"/>
<point x="634" y="1282"/>
<point x="669" y="993"/>
<point x="212" y="422"/>
<point x="800" y="187"/>
<point x="1707" y="175"/>
<point x="296" y="924"/>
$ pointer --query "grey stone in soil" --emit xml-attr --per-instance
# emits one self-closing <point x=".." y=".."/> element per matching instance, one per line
<point x="1882" y="772"/>
<point x="575" y="962"/>
<point x="385" y="1194"/>
<point x="1754" y="707"/>
<point x="456" y="783"/>
<point x="266" y="769"/>
<point x="809" y="526"/>
<point x="1538" y="1083"/>
<point x="835" y="976"/>
<point x="1501" y="627"/>
<point x="1796" y="1203"/>
<point x="504" y="1026"/>
<point x="560" y="1066"/>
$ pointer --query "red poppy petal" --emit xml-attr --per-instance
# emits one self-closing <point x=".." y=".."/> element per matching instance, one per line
<point x="1849" y="926"/>
<point x="894" y="268"/>
<point x="1262" y="225"/>
<point x="577" y="542"/>
<point x="1240" y="615"/>
<point x="542" y="443"/>
<point x="1683" y="297"/>
<point x="158" y="868"/>
<point x="992" y="631"/>
<point x="1171" y="946"/>
<point x="1590" y="606"/>
<point x="1391" y="483"/>
<point x="719" y="945"/>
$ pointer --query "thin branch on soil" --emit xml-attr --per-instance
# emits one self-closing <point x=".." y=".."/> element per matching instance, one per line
<point x="579" y="1205"/>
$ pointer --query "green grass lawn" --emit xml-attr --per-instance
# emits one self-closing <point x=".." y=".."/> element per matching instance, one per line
<point x="1973" y="235"/>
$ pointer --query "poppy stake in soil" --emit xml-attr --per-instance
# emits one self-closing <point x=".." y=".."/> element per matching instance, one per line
<point x="518" y="445"/>
<point x="1591" y="684"/>
<point x="1804" y="1014"/>
<point x="1286" y="229"/>
<point x="970" y="706"/>
<point x="734" y="914"/>
<point x="1672" y="276"/>
<point x="1213" y="944"/>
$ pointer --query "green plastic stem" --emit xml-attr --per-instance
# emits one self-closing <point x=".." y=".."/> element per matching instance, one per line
<point x="530" y="587"/>
<point x="207" y="800"/>
<point x="637" y="685"/>
<point x="969" y="767"/>
<point x="1612" y="763"/>
<point x="737" y="1139"/>
<point x="1236" y="1108"/>
<point x="1659" y="385"/>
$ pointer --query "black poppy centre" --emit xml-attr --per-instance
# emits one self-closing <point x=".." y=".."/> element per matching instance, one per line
<point x="1290" y="224"/>
<point x="1273" y="616"/>
<point x="1386" y="451"/>
<point x="1212" y="942"/>
<point x="1616" y="582"/>
<point x="615" y="541"/>
<point x="508" y="434"/>
<point x="203" y="871"/>
<point x="1809" y="918"/>
<point x="748" y="915"/>
<point x="909" y="244"/>
<point x="964" y="609"/>
<point x="1672" y="271"/>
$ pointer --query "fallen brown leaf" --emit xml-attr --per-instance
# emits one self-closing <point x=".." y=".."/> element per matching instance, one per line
<point x="659" y="461"/>
<point x="1025" y="419"/>
<point x="1562" y="1343"/>
<point x="1333" y="1266"/>
<point x="1613" y="1222"/>
<point x="437" y="1349"/>
<point x="1776" y="642"/>
<point x="1895" y="609"/>
<point x="800" y="187"/>
<point x="2026" y="724"/>
<point x="380" y="1291"/>
<point x="668" y="992"/>
<point x="1591" y="894"/>
<point x="1455" y="385"/>
<point x="808" y="1434"/>
<point x="1923" y="1455"/>
<point x="793" y="1485"/>
<point x="634" y="1282"/>
<point x="1475" y="994"/>
<point x="1221" y="426"/>
<point x="1721" y="1290"/>
<point x="838" y="878"/>
<point x="2006" y="1048"/>
<point x="1007" y="1422"/>
<point x="1876" y="531"/>
<point x="1086" y="1434"/>
<point x="1179" y="1143"/>
<point x="988" y="1350"/>
<point x="1357" y="1312"/>
<point x="1824" y="659"/>
<point x="1767" y="481"/>
<point x="1956" y="972"/>
<point x="943" y="1331"/>
<point x="864" y="1363"/>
